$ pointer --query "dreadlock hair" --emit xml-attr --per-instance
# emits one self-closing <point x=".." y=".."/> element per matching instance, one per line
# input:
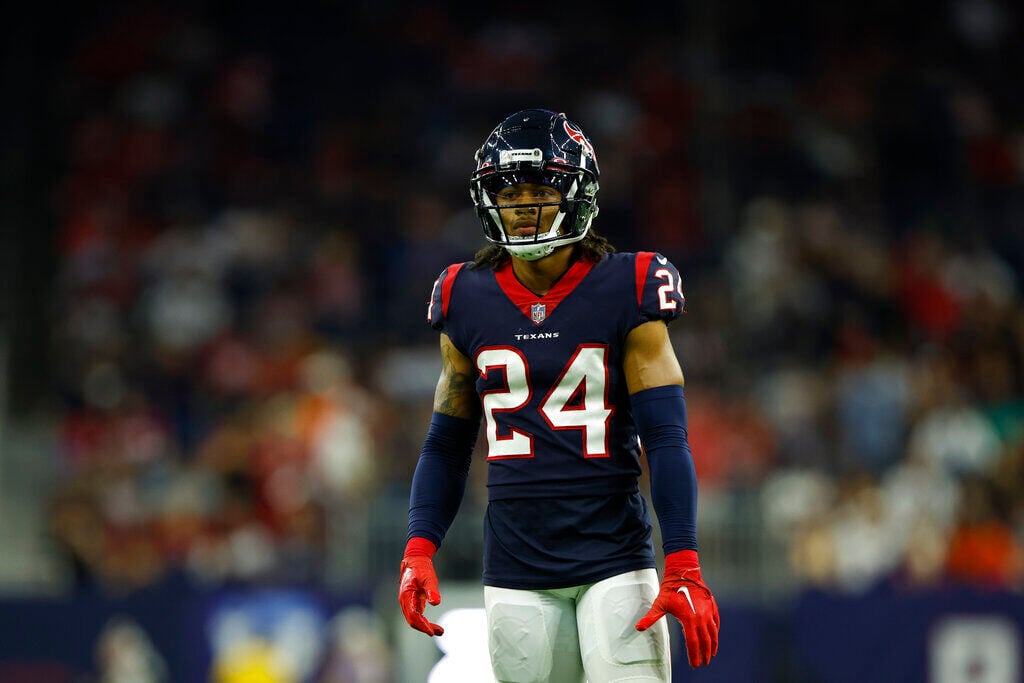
<point x="592" y="247"/>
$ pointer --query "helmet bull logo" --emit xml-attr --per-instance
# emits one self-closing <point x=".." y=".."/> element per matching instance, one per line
<point x="577" y="135"/>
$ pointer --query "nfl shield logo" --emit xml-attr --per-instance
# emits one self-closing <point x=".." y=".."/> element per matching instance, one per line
<point x="538" y="312"/>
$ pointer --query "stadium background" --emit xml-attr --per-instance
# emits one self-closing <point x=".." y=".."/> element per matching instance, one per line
<point x="220" y="227"/>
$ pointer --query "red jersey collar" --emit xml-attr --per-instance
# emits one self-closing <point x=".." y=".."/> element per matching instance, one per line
<point x="524" y="299"/>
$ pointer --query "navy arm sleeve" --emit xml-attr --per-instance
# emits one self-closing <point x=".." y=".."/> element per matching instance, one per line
<point x="660" y="415"/>
<point x="439" y="482"/>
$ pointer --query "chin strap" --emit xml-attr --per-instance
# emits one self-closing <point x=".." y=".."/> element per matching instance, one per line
<point x="531" y="252"/>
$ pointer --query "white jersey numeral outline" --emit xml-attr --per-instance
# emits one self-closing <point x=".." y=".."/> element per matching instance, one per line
<point x="516" y="394"/>
<point x="430" y="304"/>
<point x="665" y="300"/>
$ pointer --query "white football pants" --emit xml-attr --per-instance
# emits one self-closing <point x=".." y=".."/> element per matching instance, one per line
<point x="583" y="633"/>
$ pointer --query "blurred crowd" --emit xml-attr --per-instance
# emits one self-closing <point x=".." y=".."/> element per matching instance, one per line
<point x="252" y="208"/>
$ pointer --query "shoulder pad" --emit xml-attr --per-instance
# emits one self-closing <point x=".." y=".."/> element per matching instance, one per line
<point x="659" y="287"/>
<point x="440" y="296"/>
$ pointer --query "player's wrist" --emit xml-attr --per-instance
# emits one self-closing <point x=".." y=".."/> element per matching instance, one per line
<point x="682" y="562"/>
<point x="419" y="547"/>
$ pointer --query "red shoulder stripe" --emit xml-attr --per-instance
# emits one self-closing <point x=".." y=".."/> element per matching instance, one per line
<point x="446" y="286"/>
<point x="643" y="263"/>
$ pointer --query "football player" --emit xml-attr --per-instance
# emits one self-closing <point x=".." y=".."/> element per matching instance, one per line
<point x="559" y="345"/>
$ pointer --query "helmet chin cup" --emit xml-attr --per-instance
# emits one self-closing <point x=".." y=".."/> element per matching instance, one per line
<point x="530" y="252"/>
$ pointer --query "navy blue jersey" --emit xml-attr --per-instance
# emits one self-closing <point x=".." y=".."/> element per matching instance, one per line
<point x="563" y="458"/>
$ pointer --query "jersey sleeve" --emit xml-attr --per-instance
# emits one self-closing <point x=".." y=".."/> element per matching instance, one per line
<point x="441" y="296"/>
<point x="659" y="288"/>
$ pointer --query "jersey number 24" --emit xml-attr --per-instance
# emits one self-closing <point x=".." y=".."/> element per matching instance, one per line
<point x="577" y="400"/>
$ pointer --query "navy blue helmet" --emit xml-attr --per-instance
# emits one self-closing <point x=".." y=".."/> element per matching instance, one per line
<point x="546" y="148"/>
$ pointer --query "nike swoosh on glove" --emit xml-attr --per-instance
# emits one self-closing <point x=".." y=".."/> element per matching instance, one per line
<point x="418" y="585"/>
<point x="685" y="596"/>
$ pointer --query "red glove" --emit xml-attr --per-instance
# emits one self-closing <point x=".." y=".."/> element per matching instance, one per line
<point x="418" y="585"/>
<point x="684" y="596"/>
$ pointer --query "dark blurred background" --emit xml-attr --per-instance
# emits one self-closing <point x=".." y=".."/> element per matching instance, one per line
<point x="221" y="224"/>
